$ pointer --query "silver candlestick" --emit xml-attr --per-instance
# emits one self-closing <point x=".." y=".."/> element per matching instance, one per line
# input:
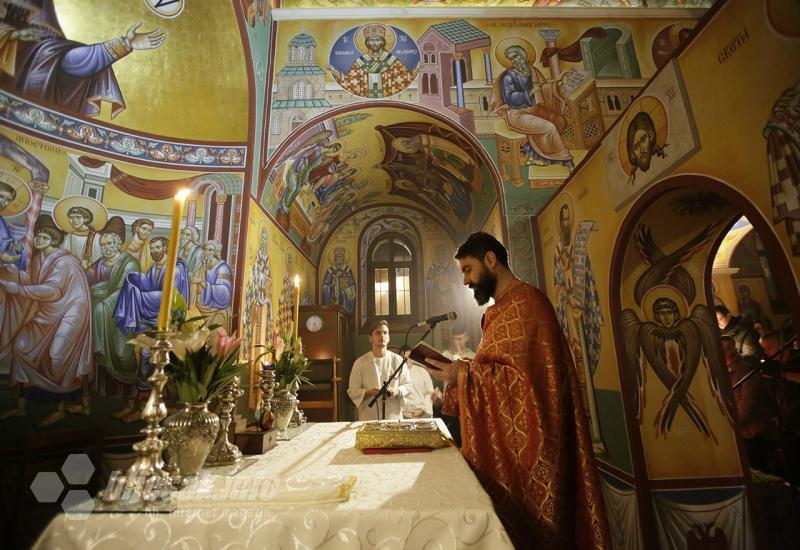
<point x="146" y="481"/>
<point x="224" y="452"/>
<point x="266" y="384"/>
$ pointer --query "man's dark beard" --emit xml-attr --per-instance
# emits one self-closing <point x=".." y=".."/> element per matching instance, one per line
<point x="157" y="257"/>
<point x="485" y="287"/>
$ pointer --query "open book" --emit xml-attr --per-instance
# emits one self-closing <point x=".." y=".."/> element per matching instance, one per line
<point x="422" y="351"/>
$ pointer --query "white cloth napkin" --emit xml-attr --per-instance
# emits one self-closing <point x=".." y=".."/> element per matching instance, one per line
<point x="214" y="491"/>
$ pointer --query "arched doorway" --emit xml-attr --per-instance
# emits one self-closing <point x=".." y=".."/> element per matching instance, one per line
<point x="681" y="412"/>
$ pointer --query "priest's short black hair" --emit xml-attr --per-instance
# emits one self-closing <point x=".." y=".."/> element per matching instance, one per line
<point x="478" y="244"/>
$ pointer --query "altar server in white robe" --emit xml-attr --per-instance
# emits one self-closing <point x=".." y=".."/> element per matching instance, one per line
<point x="369" y="373"/>
<point x="419" y="403"/>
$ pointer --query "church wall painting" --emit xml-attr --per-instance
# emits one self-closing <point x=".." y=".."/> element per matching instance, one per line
<point x="271" y="261"/>
<point x="82" y="242"/>
<point x="577" y="304"/>
<point x="440" y="273"/>
<point x="493" y="224"/>
<point x="374" y="60"/>
<point x="680" y="394"/>
<point x="91" y="35"/>
<point x="462" y="63"/>
<point x="347" y="161"/>
<point x="782" y="134"/>
<point x="732" y="156"/>
<point x="257" y="38"/>
<point x="584" y="87"/>
<point x="656" y="133"/>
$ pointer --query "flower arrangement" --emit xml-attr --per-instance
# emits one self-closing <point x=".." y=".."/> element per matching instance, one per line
<point x="203" y="360"/>
<point x="286" y="358"/>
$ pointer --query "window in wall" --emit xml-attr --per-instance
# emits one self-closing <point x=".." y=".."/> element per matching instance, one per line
<point x="425" y="89"/>
<point x="390" y="265"/>
<point x="299" y="90"/>
<point x="276" y="123"/>
<point x="434" y="84"/>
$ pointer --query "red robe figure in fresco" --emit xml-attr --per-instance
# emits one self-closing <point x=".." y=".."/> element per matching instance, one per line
<point x="523" y="428"/>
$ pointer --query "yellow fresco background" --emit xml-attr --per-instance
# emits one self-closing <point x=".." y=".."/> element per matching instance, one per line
<point x="194" y="86"/>
<point x="54" y="157"/>
<point x="731" y="106"/>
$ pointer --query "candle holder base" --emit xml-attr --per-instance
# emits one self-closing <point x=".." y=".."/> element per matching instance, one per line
<point x="146" y="481"/>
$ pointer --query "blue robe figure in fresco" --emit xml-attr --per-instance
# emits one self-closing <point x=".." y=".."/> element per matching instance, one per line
<point x="328" y="185"/>
<point x="339" y="284"/>
<point x="44" y="65"/>
<point x="10" y="247"/>
<point x="212" y="285"/>
<point x="137" y="311"/>
<point x="140" y="297"/>
<point x="533" y="106"/>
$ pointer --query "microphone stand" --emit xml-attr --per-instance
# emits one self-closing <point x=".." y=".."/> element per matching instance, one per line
<point x="385" y="388"/>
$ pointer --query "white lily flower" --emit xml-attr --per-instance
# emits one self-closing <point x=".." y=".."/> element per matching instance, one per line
<point x="183" y="344"/>
<point x="143" y="340"/>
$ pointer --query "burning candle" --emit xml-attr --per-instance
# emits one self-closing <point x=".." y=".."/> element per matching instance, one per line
<point x="296" y="306"/>
<point x="164" y="311"/>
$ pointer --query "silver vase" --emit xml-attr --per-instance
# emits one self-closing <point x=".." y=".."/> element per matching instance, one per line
<point x="283" y="405"/>
<point x="189" y="434"/>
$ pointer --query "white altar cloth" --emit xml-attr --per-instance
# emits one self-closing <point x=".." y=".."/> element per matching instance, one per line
<point x="413" y="501"/>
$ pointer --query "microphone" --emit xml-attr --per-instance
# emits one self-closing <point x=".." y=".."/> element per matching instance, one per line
<point x="433" y="321"/>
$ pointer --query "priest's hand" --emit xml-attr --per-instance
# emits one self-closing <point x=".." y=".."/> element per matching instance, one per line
<point x="437" y="397"/>
<point x="449" y="370"/>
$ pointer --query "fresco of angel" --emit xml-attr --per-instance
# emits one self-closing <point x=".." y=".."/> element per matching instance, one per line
<point x="672" y="340"/>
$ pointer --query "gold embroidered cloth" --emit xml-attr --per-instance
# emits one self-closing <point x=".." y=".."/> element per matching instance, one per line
<point x="523" y="427"/>
<point x="394" y="435"/>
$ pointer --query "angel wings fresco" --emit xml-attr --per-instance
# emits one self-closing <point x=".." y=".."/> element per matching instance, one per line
<point x="672" y="340"/>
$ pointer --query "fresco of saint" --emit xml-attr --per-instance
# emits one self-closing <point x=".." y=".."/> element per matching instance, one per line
<point x="339" y="284"/>
<point x="377" y="72"/>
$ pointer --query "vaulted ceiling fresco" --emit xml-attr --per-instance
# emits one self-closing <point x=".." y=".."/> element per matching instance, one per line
<point x="377" y="155"/>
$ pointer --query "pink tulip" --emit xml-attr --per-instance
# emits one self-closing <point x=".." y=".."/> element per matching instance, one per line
<point x="276" y="337"/>
<point x="222" y="344"/>
<point x="279" y="347"/>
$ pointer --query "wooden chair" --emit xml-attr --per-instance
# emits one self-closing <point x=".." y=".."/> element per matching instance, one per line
<point x="318" y="400"/>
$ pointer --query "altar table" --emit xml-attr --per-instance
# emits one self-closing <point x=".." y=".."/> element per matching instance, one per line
<point x="413" y="501"/>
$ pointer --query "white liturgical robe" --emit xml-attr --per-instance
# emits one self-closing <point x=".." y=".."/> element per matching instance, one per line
<point x="421" y="391"/>
<point x="371" y="372"/>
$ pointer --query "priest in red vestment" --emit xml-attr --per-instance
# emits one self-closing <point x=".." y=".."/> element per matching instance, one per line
<point x="523" y="427"/>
